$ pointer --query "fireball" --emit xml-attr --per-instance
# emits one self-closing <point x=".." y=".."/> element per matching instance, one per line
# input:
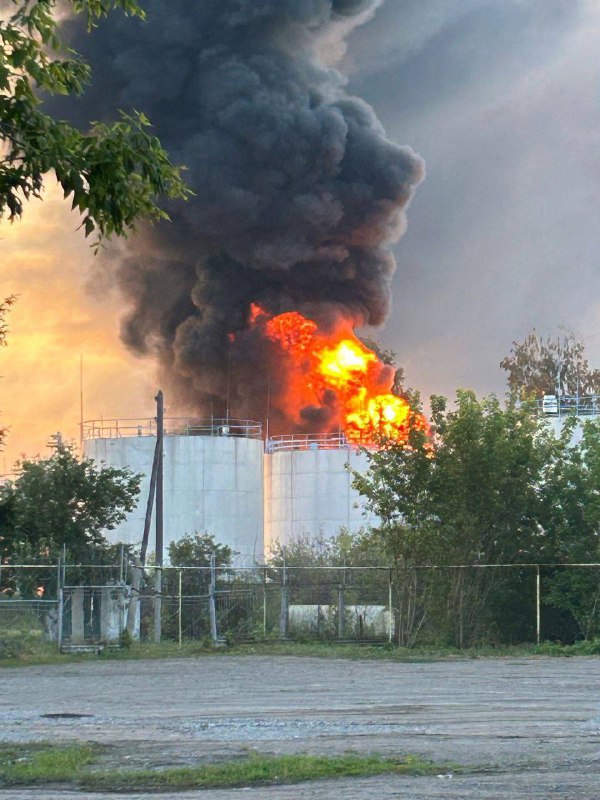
<point x="335" y="370"/>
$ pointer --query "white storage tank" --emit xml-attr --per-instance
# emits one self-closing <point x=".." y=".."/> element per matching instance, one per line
<point x="308" y="488"/>
<point x="213" y="479"/>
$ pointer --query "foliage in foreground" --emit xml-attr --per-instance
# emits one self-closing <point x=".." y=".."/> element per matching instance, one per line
<point x="60" y="502"/>
<point x="493" y="486"/>
<point x="114" y="173"/>
<point x="43" y="764"/>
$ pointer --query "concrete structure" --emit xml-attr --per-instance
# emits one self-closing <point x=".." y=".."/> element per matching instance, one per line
<point x="213" y="480"/>
<point x="308" y="488"/>
<point x="94" y="614"/>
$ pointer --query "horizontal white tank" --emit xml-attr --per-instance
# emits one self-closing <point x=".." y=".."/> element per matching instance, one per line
<point x="308" y="489"/>
<point x="212" y="484"/>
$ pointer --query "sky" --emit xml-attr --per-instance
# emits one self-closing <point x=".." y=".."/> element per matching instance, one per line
<point x="501" y="98"/>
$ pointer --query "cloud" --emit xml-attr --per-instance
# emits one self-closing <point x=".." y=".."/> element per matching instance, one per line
<point x="501" y="100"/>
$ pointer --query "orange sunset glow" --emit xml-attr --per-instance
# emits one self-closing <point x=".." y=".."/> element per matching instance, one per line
<point x="48" y="264"/>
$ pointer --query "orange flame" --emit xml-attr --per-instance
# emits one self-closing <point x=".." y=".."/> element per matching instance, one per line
<point x="339" y="371"/>
<point x="292" y="331"/>
<point x="255" y="312"/>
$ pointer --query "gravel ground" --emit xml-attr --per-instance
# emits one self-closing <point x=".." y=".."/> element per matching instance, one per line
<point x="529" y="727"/>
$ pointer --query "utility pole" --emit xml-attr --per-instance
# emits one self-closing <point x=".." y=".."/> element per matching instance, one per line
<point x="81" y="406"/>
<point x="155" y="493"/>
<point x="160" y="422"/>
<point x="138" y="569"/>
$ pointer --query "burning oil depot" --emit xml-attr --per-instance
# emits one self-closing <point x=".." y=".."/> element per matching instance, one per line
<point x="247" y="300"/>
<point x="222" y="477"/>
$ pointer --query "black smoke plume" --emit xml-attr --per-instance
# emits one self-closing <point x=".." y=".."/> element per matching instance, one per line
<point x="298" y="192"/>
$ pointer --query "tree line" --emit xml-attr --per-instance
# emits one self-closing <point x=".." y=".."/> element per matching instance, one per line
<point x="493" y="485"/>
<point x="489" y="484"/>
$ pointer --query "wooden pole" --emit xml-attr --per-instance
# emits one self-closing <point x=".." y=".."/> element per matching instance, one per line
<point x="81" y="406"/>
<point x="138" y="570"/>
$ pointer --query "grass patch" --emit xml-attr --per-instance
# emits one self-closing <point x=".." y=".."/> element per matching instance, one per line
<point x="258" y="771"/>
<point x="588" y="647"/>
<point x="47" y="654"/>
<point x="71" y="766"/>
<point x="27" y="765"/>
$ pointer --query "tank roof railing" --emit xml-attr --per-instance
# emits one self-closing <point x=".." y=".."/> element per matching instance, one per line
<point x="309" y="441"/>
<point x="174" y="426"/>
<point x="573" y="405"/>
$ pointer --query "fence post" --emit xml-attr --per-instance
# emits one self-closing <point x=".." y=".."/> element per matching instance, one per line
<point x="134" y="598"/>
<point x="121" y="565"/>
<point x="538" y="605"/>
<point x="391" y="614"/>
<point x="157" y="603"/>
<point x="59" y="621"/>
<point x="341" y="605"/>
<point x="265" y="603"/>
<point x="180" y="609"/>
<point x="211" y="601"/>
<point x="283" y="613"/>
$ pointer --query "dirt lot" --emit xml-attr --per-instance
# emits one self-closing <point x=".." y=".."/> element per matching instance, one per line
<point x="530" y="727"/>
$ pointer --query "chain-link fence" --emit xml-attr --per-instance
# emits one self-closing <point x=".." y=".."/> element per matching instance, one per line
<point x="222" y="604"/>
<point x="458" y="605"/>
<point x="26" y="623"/>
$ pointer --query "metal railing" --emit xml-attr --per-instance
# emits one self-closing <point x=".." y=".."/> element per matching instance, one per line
<point x="174" y="426"/>
<point x="309" y="441"/>
<point x="563" y="405"/>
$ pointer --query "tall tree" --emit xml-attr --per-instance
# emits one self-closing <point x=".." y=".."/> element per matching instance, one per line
<point x="543" y="365"/>
<point x="61" y="502"/>
<point x="467" y="496"/>
<point x="570" y="522"/>
<point x="115" y="173"/>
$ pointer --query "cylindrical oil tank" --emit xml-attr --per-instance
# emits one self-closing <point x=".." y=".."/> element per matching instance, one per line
<point x="213" y="480"/>
<point x="308" y="488"/>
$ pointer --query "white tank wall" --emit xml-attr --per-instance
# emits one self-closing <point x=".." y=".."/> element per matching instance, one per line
<point x="556" y="424"/>
<point x="309" y="492"/>
<point x="212" y="484"/>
